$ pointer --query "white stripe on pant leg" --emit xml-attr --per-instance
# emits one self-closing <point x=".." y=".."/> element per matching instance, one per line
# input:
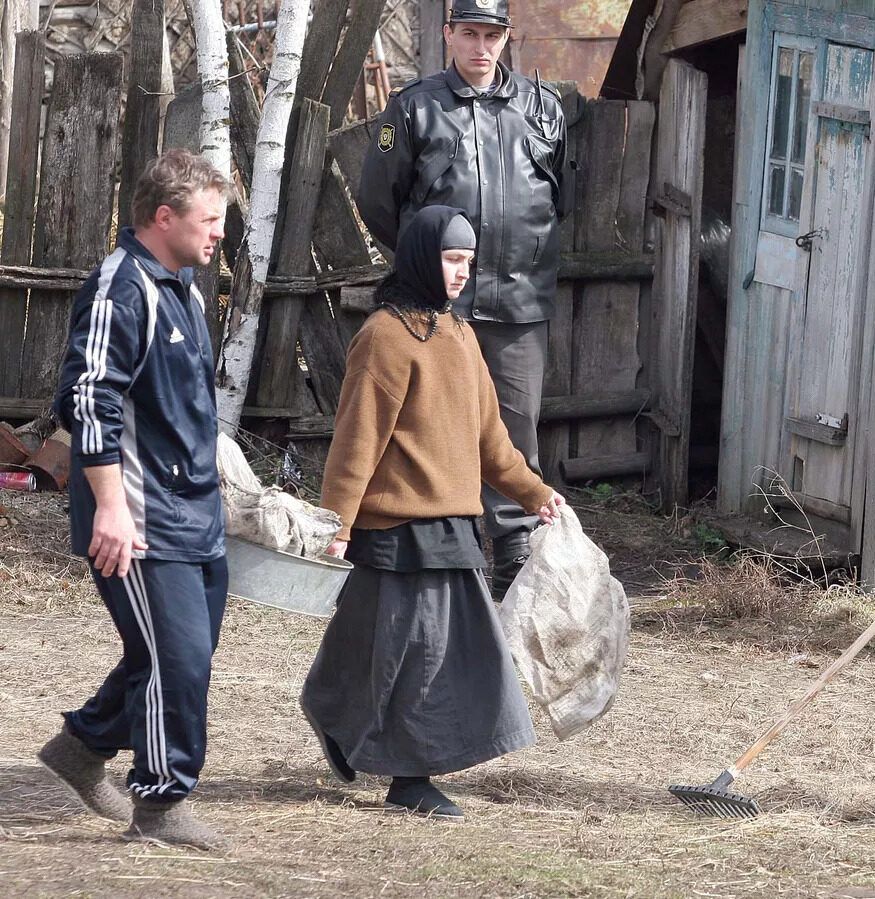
<point x="155" y="708"/>
<point x="161" y="740"/>
<point x="138" y="614"/>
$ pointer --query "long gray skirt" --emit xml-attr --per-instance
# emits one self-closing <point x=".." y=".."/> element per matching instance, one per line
<point x="414" y="677"/>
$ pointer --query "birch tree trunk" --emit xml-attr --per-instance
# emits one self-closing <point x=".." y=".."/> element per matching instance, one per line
<point x="15" y="16"/>
<point x="212" y="66"/>
<point x="250" y="272"/>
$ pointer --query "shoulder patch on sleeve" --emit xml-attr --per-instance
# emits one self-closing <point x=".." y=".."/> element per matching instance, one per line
<point x="386" y="138"/>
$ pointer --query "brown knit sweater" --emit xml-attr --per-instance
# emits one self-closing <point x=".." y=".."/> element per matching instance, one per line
<point x="417" y="429"/>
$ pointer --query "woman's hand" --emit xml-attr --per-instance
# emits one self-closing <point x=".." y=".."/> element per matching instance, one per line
<point x="550" y="510"/>
<point x="337" y="549"/>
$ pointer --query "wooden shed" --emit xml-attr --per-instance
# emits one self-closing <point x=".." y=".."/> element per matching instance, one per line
<point x="788" y="158"/>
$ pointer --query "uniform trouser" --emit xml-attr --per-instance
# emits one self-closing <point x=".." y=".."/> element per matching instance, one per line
<point x="155" y="700"/>
<point x="516" y="356"/>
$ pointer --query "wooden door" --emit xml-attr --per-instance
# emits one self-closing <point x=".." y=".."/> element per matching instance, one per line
<point x="835" y="233"/>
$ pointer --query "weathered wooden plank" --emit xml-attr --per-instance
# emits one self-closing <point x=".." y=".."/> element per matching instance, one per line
<point x="605" y="321"/>
<point x="432" y="15"/>
<point x="74" y="210"/>
<point x="244" y="112"/>
<point x="731" y="479"/>
<point x="276" y="382"/>
<point x="350" y="57"/>
<point x="703" y="21"/>
<point x="813" y="505"/>
<point x="182" y="122"/>
<point x="139" y="141"/>
<point x="554" y="435"/>
<point x="320" y="47"/>
<point x="348" y="146"/>
<point x="553" y="408"/>
<point x="595" y="405"/>
<point x="23" y="407"/>
<point x="813" y="430"/>
<point x="680" y="149"/>
<point x="338" y="242"/>
<point x="611" y="466"/>
<point x="20" y="196"/>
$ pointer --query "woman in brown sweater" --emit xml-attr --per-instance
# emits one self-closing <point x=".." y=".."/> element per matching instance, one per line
<point x="413" y="677"/>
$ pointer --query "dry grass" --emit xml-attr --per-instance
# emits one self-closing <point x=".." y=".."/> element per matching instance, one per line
<point x="588" y="818"/>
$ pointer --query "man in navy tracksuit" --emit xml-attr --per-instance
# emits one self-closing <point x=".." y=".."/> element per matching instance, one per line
<point x="136" y="392"/>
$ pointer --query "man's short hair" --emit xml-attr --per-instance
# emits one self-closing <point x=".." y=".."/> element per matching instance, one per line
<point x="170" y="180"/>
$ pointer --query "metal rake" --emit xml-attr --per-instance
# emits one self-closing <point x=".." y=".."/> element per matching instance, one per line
<point x="714" y="799"/>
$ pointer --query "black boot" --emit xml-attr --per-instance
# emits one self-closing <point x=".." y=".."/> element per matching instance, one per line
<point x="420" y="796"/>
<point x="509" y="554"/>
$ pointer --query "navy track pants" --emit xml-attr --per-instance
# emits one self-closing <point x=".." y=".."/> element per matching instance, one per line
<point x="155" y="700"/>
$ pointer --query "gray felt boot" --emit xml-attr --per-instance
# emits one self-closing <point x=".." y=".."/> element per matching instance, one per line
<point x="172" y="824"/>
<point x="83" y="772"/>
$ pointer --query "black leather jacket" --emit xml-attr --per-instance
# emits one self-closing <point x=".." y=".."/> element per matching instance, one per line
<point x="500" y="158"/>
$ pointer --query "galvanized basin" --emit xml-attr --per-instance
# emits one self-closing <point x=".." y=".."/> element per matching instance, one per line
<point x="272" y="577"/>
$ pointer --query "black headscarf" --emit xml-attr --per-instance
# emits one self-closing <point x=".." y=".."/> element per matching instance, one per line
<point x="418" y="268"/>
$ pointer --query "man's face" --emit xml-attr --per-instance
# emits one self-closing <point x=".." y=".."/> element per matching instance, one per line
<point x="476" y="48"/>
<point x="191" y="237"/>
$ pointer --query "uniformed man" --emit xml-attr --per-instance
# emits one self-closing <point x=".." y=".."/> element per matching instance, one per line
<point x="492" y="142"/>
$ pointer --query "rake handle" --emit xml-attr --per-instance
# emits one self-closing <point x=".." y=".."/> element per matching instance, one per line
<point x="798" y="705"/>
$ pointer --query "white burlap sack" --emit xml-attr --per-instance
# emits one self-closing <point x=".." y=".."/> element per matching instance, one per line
<point x="267" y="515"/>
<point x="567" y="622"/>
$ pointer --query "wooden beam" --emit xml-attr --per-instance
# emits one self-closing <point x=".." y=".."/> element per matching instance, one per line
<point x="432" y="15"/>
<point x="139" y="141"/>
<point x="245" y="112"/>
<point x="20" y="195"/>
<point x="602" y="405"/>
<point x="604" y="266"/>
<point x="350" y="58"/>
<point x="679" y="161"/>
<point x="19" y="407"/>
<point x="277" y="382"/>
<point x="74" y="210"/>
<point x="703" y="21"/>
<point x="614" y="466"/>
<point x="813" y="505"/>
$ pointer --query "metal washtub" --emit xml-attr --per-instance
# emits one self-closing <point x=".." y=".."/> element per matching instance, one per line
<point x="275" y="578"/>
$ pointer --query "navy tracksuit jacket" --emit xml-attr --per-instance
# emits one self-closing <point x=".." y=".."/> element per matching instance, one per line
<point x="136" y="388"/>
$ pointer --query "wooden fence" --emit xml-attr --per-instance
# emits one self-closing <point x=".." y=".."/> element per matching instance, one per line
<point x="604" y="413"/>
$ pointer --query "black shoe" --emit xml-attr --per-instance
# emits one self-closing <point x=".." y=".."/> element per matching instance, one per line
<point x="419" y="796"/>
<point x="509" y="554"/>
<point x="335" y="758"/>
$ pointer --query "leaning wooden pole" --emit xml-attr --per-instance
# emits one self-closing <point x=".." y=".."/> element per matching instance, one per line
<point x="250" y="272"/>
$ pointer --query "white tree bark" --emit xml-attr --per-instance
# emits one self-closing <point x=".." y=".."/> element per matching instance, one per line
<point x="250" y="273"/>
<point x="212" y="66"/>
<point x="15" y="16"/>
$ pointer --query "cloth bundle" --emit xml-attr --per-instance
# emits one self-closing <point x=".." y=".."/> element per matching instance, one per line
<point x="267" y="515"/>
<point x="567" y="623"/>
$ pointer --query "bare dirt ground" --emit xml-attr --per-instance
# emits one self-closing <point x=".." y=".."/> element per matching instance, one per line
<point x="709" y="666"/>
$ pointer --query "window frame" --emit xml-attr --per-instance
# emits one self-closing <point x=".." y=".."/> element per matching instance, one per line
<point x="769" y="221"/>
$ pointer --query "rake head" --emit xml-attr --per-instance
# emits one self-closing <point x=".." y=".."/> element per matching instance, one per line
<point x="716" y="801"/>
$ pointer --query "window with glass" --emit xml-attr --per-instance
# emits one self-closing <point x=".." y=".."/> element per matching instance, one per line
<point x="792" y="83"/>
